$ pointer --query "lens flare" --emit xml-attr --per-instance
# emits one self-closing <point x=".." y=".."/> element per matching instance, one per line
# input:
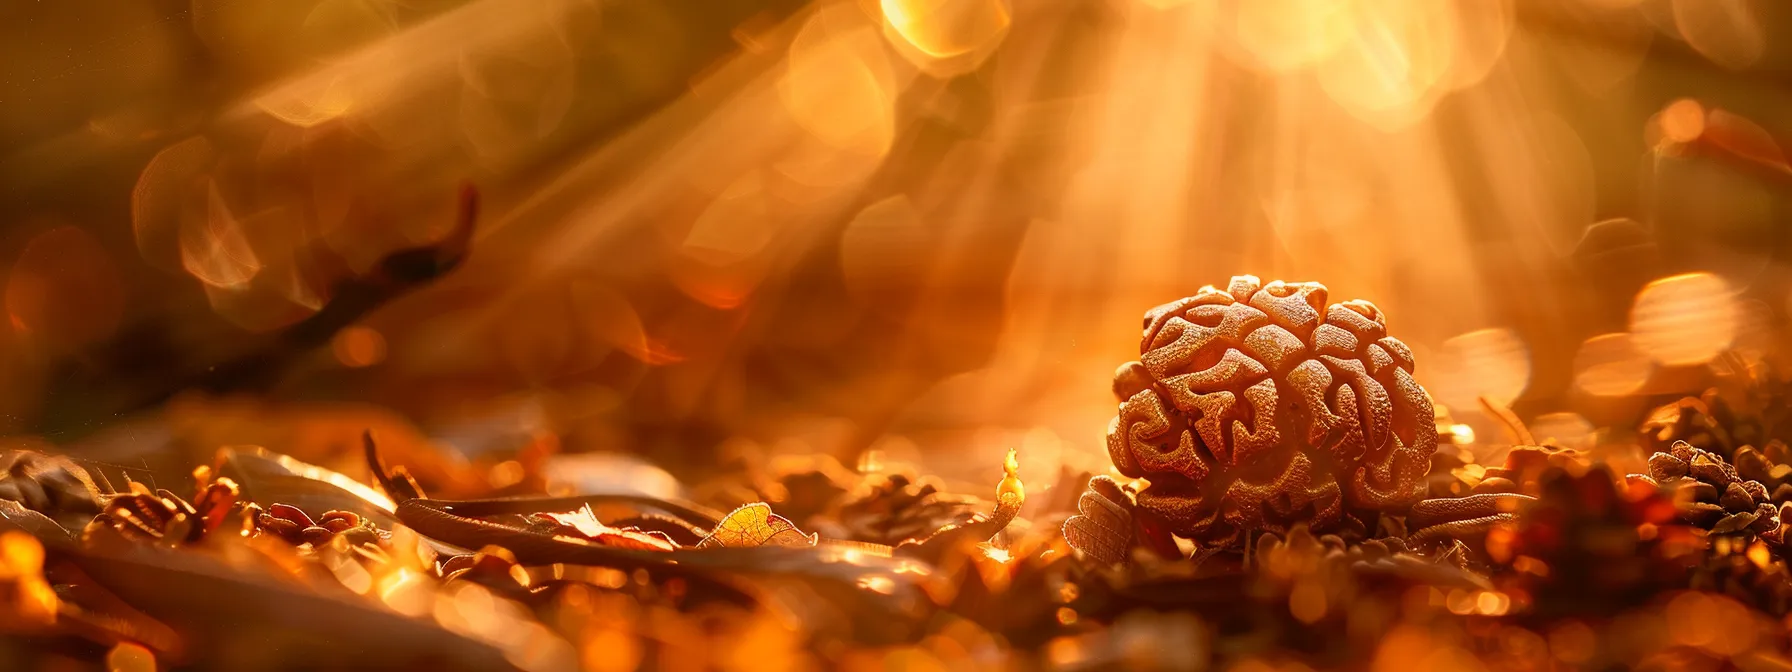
<point x="130" y="657"/>
<point x="946" y="37"/>
<point x="1283" y="35"/>
<point x="737" y="225"/>
<point x="1611" y="365"/>
<point x="1568" y="430"/>
<point x="1685" y="319"/>
<point x="1492" y="363"/>
<point x="1385" y="63"/>
<point x="162" y="195"/>
<point x="64" y="288"/>
<point x="837" y="83"/>
<point x="1682" y="121"/>
<point x="358" y="347"/>
<point x="310" y="105"/>
<point x="1726" y="31"/>
<point x="886" y="248"/>
<point x="215" y="249"/>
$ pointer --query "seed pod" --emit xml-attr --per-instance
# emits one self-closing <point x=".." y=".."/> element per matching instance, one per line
<point x="316" y="536"/>
<point x="291" y="513"/>
<point x="279" y="527"/>
<point x="339" y="521"/>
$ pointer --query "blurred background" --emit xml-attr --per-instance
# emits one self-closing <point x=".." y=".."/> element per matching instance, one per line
<point x="920" y="229"/>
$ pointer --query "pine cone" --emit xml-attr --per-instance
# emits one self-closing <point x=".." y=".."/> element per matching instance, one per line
<point x="809" y="488"/>
<point x="890" y="509"/>
<point x="1230" y="412"/>
<point x="1710" y="494"/>
<point x="1698" y="421"/>
<point x="1768" y="467"/>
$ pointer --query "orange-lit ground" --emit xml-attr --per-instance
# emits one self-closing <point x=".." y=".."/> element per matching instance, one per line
<point x="716" y="235"/>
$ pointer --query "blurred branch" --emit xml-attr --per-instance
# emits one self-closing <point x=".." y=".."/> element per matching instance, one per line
<point x="139" y="370"/>
<point x="628" y="61"/>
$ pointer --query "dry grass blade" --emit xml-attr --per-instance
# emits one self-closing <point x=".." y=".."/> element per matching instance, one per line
<point x="1514" y="428"/>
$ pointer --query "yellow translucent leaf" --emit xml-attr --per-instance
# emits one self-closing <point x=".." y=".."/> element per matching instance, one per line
<point x="756" y="525"/>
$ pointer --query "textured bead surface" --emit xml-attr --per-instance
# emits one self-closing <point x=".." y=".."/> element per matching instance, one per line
<point x="1259" y="406"/>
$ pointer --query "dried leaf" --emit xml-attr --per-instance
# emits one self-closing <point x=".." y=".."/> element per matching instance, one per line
<point x="15" y="516"/>
<point x="585" y="524"/>
<point x="756" y="525"/>
<point x="49" y="484"/>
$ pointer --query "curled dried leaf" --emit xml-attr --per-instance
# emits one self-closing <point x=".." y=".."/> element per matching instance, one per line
<point x="584" y="524"/>
<point x="49" y="484"/>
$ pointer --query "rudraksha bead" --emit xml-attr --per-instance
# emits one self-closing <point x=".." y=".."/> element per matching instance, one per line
<point x="1258" y="407"/>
